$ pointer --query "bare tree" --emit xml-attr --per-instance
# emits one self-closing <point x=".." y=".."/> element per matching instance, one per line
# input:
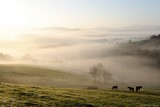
<point x="106" y="75"/>
<point x="99" y="71"/>
<point x="93" y="72"/>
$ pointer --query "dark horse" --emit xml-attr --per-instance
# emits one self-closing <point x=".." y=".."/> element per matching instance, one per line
<point x="115" y="87"/>
<point x="138" y="88"/>
<point x="131" y="88"/>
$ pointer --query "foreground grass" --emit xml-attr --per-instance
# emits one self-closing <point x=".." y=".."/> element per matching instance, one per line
<point x="21" y="96"/>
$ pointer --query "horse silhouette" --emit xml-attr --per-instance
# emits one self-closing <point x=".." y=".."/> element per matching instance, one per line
<point x="130" y="88"/>
<point x="115" y="87"/>
<point x="138" y="88"/>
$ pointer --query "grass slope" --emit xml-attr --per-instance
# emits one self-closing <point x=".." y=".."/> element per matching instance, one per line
<point x="21" y="96"/>
<point x="21" y="74"/>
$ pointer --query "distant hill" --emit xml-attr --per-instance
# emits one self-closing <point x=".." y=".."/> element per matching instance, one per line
<point x="22" y="74"/>
<point x="149" y="48"/>
<point x="154" y="37"/>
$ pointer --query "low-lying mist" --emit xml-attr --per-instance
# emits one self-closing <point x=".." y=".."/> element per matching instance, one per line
<point x="75" y="50"/>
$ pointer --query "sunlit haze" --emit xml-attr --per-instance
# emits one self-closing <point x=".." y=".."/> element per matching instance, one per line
<point x="72" y="35"/>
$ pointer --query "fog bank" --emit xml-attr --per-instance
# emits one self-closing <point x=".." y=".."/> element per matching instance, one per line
<point x="75" y="50"/>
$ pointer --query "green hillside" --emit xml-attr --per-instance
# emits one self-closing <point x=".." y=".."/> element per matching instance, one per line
<point x="31" y="96"/>
<point x="21" y="74"/>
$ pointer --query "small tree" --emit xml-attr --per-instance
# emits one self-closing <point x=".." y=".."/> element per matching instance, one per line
<point x="106" y="75"/>
<point x="100" y="71"/>
<point x="93" y="72"/>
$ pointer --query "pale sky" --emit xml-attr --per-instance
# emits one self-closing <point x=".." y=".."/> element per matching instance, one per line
<point x="78" y="13"/>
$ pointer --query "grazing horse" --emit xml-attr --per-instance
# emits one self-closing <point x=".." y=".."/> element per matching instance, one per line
<point x="115" y="87"/>
<point x="130" y="88"/>
<point x="138" y="88"/>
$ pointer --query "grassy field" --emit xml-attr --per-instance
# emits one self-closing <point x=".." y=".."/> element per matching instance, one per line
<point x="29" y="75"/>
<point x="21" y="96"/>
<point x="33" y="93"/>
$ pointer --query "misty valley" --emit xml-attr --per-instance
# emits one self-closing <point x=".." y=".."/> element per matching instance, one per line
<point x="91" y="72"/>
<point x="61" y="67"/>
<point x="68" y="64"/>
<point x="79" y="53"/>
